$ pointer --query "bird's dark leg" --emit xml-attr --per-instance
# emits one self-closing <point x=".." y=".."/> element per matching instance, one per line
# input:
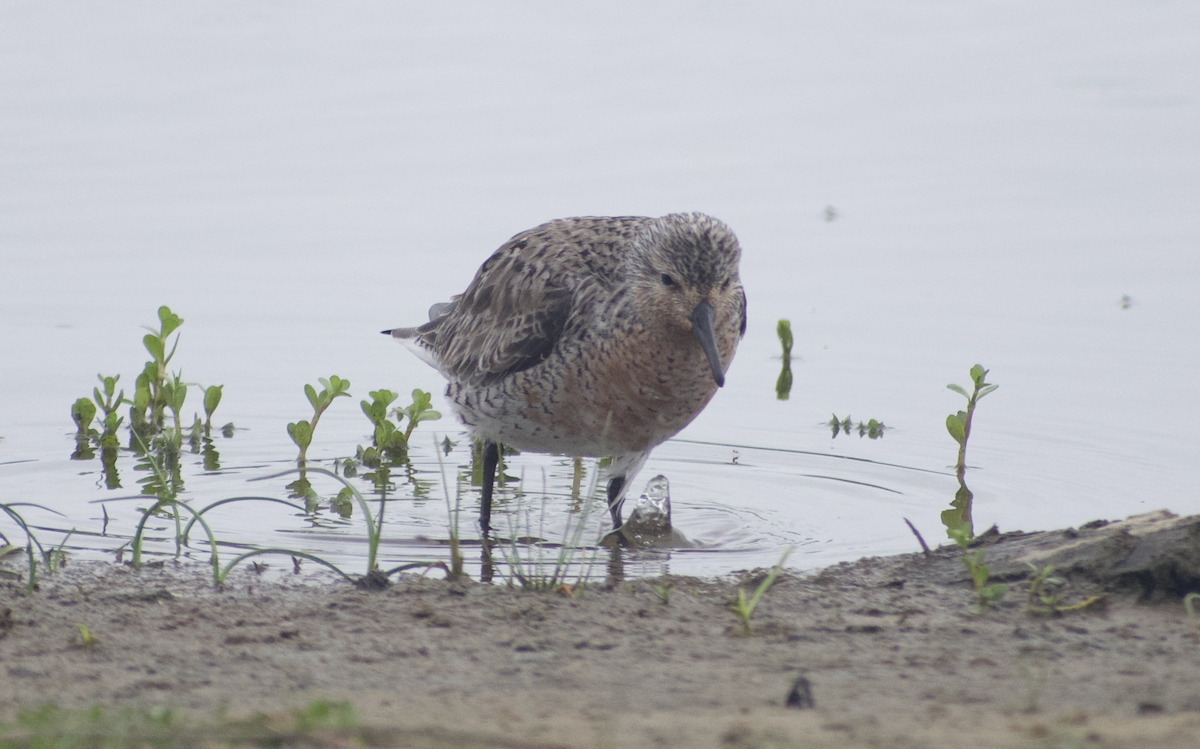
<point x="491" y="458"/>
<point x="615" y="484"/>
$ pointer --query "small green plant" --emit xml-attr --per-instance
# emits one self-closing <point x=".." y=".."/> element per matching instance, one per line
<point x="175" y="392"/>
<point x="390" y="443"/>
<point x="986" y="593"/>
<point x="301" y="432"/>
<point x="960" y="515"/>
<point x="86" y="638"/>
<point x="109" y="400"/>
<point x="871" y="429"/>
<point x="744" y="609"/>
<point x="663" y="590"/>
<point x="156" y="392"/>
<point x="212" y="399"/>
<point x="783" y="385"/>
<point x="421" y="409"/>
<point x="1041" y="581"/>
<point x="82" y="413"/>
<point x="1041" y="600"/>
<point x="1188" y="604"/>
<point x="959" y="424"/>
<point x="387" y="437"/>
<point x="57" y="558"/>
<point x="150" y="398"/>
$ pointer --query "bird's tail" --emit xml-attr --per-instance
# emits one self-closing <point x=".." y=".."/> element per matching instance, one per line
<point x="420" y="340"/>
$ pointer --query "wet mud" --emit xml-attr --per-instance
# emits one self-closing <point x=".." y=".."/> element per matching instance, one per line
<point x="881" y="652"/>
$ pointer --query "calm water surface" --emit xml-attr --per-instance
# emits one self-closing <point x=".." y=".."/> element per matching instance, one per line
<point x="291" y="180"/>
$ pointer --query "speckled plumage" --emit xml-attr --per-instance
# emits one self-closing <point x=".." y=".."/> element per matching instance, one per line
<point x="581" y="336"/>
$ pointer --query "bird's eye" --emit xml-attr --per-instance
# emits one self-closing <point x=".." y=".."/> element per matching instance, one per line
<point x="725" y="286"/>
<point x="667" y="280"/>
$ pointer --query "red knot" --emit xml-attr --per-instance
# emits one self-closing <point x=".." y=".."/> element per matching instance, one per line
<point x="593" y="336"/>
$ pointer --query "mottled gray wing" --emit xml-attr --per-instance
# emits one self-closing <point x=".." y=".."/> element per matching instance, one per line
<point x="510" y="317"/>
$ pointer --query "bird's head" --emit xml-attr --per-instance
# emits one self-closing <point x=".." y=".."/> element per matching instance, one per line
<point x="685" y="271"/>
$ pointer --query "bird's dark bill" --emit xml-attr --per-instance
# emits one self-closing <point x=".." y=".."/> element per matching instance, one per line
<point x="702" y="325"/>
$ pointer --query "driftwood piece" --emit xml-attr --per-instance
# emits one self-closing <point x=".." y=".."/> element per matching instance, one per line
<point x="1156" y="554"/>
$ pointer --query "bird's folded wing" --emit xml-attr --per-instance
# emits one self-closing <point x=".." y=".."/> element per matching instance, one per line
<point x="509" y="319"/>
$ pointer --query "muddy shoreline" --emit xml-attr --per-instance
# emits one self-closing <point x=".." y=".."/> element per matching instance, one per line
<point x="893" y="656"/>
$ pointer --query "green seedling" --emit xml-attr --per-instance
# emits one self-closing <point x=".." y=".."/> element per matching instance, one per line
<point x="1042" y="601"/>
<point x="86" y="638"/>
<point x="389" y="441"/>
<point x="744" y="609"/>
<point x="104" y="403"/>
<point x="421" y="409"/>
<point x="1041" y="581"/>
<point x="301" y="432"/>
<point x="82" y="413"/>
<point x="783" y="385"/>
<point x="959" y="424"/>
<point x="1189" y="604"/>
<point x="871" y="429"/>
<point x="149" y="397"/>
<point x="959" y="517"/>
<point x="663" y="591"/>
<point x="986" y="593"/>
<point x="108" y="401"/>
<point x="839" y="426"/>
<point x="57" y="558"/>
<point x="175" y="391"/>
<point x="212" y="399"/>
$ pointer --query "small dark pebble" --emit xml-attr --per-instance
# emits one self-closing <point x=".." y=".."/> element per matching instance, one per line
<point x="800" y="695"/>
<point x="1150" y="708"/>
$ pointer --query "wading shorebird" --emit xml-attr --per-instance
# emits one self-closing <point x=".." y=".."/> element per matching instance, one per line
<point x="593" y="336"/>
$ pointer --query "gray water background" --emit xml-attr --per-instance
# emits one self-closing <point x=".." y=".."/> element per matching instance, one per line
<point x="293" y="178"/>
